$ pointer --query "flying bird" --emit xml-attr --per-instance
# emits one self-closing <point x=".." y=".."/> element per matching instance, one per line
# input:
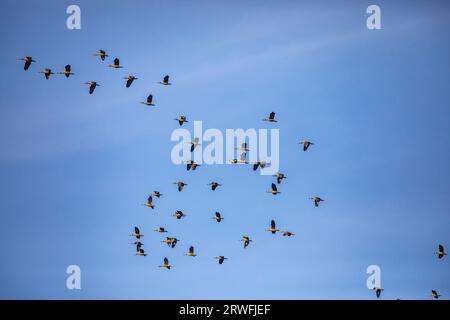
<point x="317" y="200"/>
<point x="441" y="252"/>
<point x="243" y="147"/>
<point x="174" y="242"/>
<point x="190" y="253"/>
<point x="165" y="81"/>
<point x="136" y="233"/>
<point x="190" y="164"/>
<point x="179" y="214"/>
<point x="141" y="252"/>
<point x="306" y="144"/>
<point x="102" y="54"/>
<point x="217" y="217"/>
<point x="130" y="80"/>
<point x="161" y="230"/>
<point x="138" y="244"/>
<point x="434" y="294"/>
<point x="156" y="194"/>
<point x="116" y="64"/>
<point x="242" y="159"/>
<point x="287" y="234"/>
<point x="246" y="241"/>
<point x="149" y="101"/>
<point x="274" y="190"/>
<point x="280" y="177"/>
<point x="28" y="61"/>
<point x="171" y="242"/>
<point x="260" y="164"/>
<point x="221" y="259"/>
<point x="47" y="73"/>
<point x="214" y="185"/>
<point x="165" y="264"/>
<point x="271" y="118"/>
<point x="67" y="71"/>
<point x="181" y="120"/>
<point x="194" y="144"/>
<point x="92" y="86"/>
<point x="180" y="185"/>
<point x="377" y="291"/>
<point x="272" y="228"/>
<point x="149" y="202"/>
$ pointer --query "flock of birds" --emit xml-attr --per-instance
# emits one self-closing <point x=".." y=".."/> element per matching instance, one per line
<point x="191" y="165"/>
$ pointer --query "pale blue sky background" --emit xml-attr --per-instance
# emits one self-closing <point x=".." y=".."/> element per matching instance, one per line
<point x="76" y="168"/>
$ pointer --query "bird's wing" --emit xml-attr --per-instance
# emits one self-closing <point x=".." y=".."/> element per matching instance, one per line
<point x="150" y="98"/>
<point x="166" y="79"/>
<point x="272" y="224"/>
<point x="166" y="261"/>
<point x="116" y="61"/>
<point x="274" y="187"/>
<point x="272" y="115"/>
<point x="149" y="200"/>
<point x="441" y="248"/>
<point x="191" y="249"/>
<point x="136" y="230"/>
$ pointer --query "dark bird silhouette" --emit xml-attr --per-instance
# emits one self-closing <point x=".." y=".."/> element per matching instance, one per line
<point x="47" y="73"/>
<point x="271" y="118"/>
<point x="149" y="202"/>
<point x="130" y="80"/>
<point x="165" y="264"/>
<point x="280" y="177"/>
<point x="136" y="233"/>
<point x="221" y="259"/>
<point x="190" y="164"/>
<point x="441" y="252"/>
<point x="317" y="200"/>
<point x="149" y="101"/>
<point x="92" y="86"/>
<point x="165" y="81"/>
<point x="191" y="253"/>
<point x="214" y="185"/>
<point x="306" y="144"/>
<point x="272" y="228"/>
<point x="102" y="54"/>
<point x="28" y="61"/>
<point x="116" y="64"/>
<point x="67" y="71"/>
<point x="180" y="185"/>
<point x="179" y="214"/>
<point x="274" y="190"/>
<point x="246" y="241"/>
<point x="181" y="120"/>
<point x="217" y="217"/>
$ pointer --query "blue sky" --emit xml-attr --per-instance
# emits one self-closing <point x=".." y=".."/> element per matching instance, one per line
<point x="76" y="168"/>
